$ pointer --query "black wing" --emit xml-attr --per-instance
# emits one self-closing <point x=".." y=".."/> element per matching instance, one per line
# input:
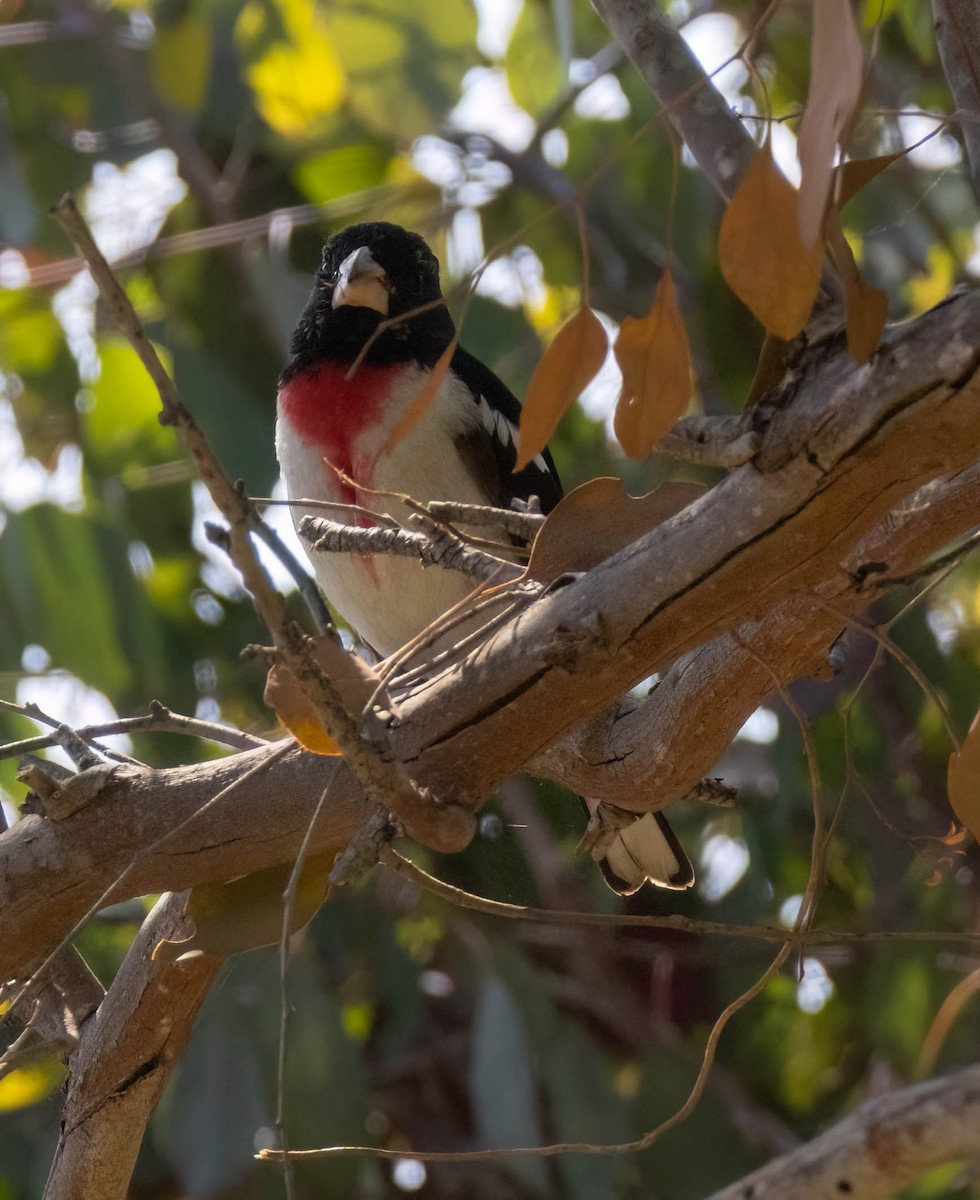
<point x="491" y="450"/>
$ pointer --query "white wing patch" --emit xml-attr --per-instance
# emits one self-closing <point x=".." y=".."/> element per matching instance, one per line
<point x="505" y="431"/>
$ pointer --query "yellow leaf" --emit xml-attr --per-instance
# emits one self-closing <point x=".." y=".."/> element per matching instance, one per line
<point x="761" y="253"/>
<point x="181" y="61"/>
<point x="297" y="78"/>
<point x="28" y="1085"/>
<point x="285" y="695"/>
<point x="963" y="779"/>
<point x="836" y="81"/>
<point x="574" y="357"/>
<point x="655" y="358"/>
<point x="246" y="913"/>
<point x="352" y="678"/>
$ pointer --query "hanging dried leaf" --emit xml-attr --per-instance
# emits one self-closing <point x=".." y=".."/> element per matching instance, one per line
<point x="598" y="519"/>
<point x="762" y="256"/>
<point x="866" y="306"/>
<point x="351" y="676"/>
<point x="285" y="695"/>
<point x="836" y="81"/>
<point x="963" y="779"/>
<point x="852" y="176"/>
<point x="655" y="358"/>
<point x="421" y="400"/>
<point x="574" y="357"/>
<point x="246" y="913"/>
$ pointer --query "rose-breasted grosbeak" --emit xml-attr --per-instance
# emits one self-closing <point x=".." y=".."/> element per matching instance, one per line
<point x="462" y="448"/>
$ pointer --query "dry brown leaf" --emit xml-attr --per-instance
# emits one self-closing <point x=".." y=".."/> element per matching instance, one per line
<point x="963" y="779"/>
<point x="836" y="81"/>
<point x="574" y="357"/>
<point x="285" y="695"/>
<point x="421" y="400"/>
<point x="245" y="913"/>
<point x="597" y="519"/>
<point x="760" y="251"/>
<point x="857" y="173"/>
<point x="655" y="358"/>
<point x="353" y="679"/>
<point x="866" y="306"/>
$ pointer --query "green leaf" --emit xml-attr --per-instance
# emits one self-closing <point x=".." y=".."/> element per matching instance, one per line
<point x="501" y="1082"/>
<point x="536" y="75"/>
<point x="123" y="429"/>
<point x="181" y="60"/>
<point x="404" y="62"/>
<point x="66" y="583"/>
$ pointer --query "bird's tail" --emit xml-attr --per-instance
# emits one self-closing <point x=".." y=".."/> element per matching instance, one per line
<point x="633" y="850"/>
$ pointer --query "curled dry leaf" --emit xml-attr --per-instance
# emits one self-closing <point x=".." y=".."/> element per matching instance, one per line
<point x="353" y="679"/>
<point x="963" y="779"/>
<point x="763" y="258"/>
<point x="596" y="520"/>
<point x="836" y="81"/>
<point x="866" y="306"/>
<point x="655" y="358"/>
<point x="574" y="357"/>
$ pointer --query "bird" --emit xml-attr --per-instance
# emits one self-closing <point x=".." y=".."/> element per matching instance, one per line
<point x="373" y="330"/>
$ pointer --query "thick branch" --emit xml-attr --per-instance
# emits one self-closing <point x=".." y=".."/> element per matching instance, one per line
<point x="853" y="443"/>
<point x="772" y="542"/>
<point x="957" y="24"/>
<point x="697" y="110"/>
<point x="124" y="1058"/>
<point x="643" y="753"/>
<point x="883" y="1147"/>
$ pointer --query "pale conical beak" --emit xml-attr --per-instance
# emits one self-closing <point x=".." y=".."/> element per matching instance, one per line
<point x="361" y="283"/>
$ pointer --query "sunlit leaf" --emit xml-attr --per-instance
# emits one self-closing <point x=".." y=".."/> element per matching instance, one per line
<point x="762" y="256"/>
<point x="574" y="357"/>
<point x="350" y="676"/>
<point x="836" y="80"/>
<point x="403" y="61"/>
<point x="536" y="75"/>
<point x="285" y="695"/>
<point x="655" y="359"/>
<point x="28" y="1085"/>
<point x="295" y="69"/>
<point x="246" y="913"/>
<point x="963" y="779"/>
<point x="122" y="426"/>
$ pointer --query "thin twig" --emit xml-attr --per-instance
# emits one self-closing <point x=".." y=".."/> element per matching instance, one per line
<point x="158" y="720"/>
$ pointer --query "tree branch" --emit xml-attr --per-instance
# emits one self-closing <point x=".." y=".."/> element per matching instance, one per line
<point x="698" y="111"/>
<point x="883" y="1147"/>
<point x="124" y="1058"/>
<point x="957" y="25"/>
<point x="851" y="446"/>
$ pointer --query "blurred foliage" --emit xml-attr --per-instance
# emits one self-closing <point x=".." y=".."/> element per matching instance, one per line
<point x="413" y="1024"/>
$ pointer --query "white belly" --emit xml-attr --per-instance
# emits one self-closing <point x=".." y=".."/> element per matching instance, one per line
<point x="386" y="598"/>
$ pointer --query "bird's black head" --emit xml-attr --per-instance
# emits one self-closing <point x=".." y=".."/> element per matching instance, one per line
<point x="369" y="273"/>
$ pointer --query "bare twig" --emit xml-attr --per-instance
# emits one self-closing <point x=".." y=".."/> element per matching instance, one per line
<point x="159" y="719"/>
<point x="437" y="548"/>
